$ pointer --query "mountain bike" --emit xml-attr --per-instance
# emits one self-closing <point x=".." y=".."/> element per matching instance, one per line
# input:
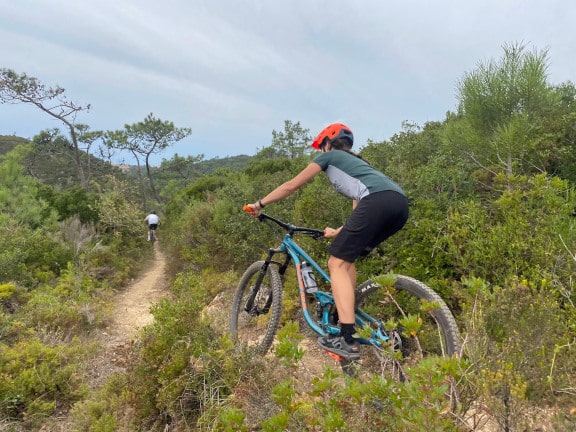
<point x="152" y="235"/>
<point x="399" y="322"/>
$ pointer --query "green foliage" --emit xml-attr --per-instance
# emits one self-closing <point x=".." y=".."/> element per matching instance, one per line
<point x="489" y="241"/>
<point x="35" y="376"/>
<point x="291" y="143"/>
<point x="192" y="237"/>
<point x="64" y="307"/>
<point x="144" y="139"/>
<point x="11" y="299"/>
<point x="71" y="202"/>
<point x="335" y="402"/>
<point x="6" y="291"/>
<point x="30" y="256"/>
<point x="497" y="91"/>
<point x="177" y="334"/>
<point x="515" y="335"/>
<point x="231" y="420"/>
<point x="265" y="166"/>
<point x="463" y="222"/>
<point x="505" y="104"/>
<point x="200" y="187"/>
<point x="423" y="162"/>
<point x="18" y="195"/>
<point x="102" y="411"/>
<point x="287" y="348"/>
<point x="54" y="163"/>
<point x="29" y="250"/>
<point x="176" y="174"/>
<point x="215" y="232"/>
<point x="118" y="215"/>
<point x="51" y="291"/>
<point x="20" y="88"/>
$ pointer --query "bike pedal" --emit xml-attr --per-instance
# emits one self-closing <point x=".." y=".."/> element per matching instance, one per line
<point x="335" y="356"/>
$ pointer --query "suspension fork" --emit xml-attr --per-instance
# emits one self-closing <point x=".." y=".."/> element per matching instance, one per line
<point x="261" y="274"/>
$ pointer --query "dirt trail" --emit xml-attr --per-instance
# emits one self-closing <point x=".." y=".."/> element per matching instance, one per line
<point x="131" y="313"/>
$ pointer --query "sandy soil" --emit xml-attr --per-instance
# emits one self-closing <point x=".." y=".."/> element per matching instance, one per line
<point x="131" y="314"/>
<point x="132" y="311"/>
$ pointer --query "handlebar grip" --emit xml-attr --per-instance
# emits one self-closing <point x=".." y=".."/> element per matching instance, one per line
<point x="248" y="209"/>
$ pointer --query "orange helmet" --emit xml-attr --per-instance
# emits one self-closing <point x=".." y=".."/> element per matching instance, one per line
<point x="331" y="132"/>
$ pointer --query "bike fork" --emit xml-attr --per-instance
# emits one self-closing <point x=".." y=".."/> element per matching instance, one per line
<point x="256" y="288"/>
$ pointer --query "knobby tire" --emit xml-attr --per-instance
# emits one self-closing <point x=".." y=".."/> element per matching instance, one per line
<point x="438" y="336"/>
<point x="255" y="329"/>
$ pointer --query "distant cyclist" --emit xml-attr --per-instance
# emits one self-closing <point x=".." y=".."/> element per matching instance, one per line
<point x="152" y="220"/>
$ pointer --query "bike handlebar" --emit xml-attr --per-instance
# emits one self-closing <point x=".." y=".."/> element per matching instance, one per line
<point x="291" y="229"/>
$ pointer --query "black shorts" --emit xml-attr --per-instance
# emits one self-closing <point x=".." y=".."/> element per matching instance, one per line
<point x="153" y="226"/>
<point x="375" y="218"/>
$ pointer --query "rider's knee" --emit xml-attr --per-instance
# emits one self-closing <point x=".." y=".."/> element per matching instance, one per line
<point x="335" y="263"/>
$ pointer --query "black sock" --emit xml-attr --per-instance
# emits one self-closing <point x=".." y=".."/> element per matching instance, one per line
<point x="347" y="330"/>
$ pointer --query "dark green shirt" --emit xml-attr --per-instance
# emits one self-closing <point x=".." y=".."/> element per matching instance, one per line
<point x="353" y="177"/>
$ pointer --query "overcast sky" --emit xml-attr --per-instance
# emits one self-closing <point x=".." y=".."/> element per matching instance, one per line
<point x="234" y="70"/>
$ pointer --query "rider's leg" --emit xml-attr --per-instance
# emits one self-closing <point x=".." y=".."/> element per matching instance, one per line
<point x="343" y="281"/>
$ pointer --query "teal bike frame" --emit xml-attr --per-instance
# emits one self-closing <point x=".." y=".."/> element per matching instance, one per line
<point x="325" y="305"/>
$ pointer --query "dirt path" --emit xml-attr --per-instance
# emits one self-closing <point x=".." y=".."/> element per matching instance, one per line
<point x="131" y="313"/>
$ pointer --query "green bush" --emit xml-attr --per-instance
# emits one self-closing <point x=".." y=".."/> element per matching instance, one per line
<point x="36" y="376"/>
<point x="30" y="256"/>
<point x="522" y="233"/>
<point x="178" y="333"/>
<point x="104" y="410"/>
<point x="75" y="201"/>
<point x="520" y="343"/>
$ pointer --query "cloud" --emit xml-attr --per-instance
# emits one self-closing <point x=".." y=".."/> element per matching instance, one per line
<point x="233" y="71"/>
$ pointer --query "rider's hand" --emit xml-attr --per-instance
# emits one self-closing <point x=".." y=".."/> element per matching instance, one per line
<point x="253" y="210"/>
<point x="331" y="232"/>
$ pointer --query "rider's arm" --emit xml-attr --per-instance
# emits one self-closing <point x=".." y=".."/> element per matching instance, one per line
<point x="288" y="188"/>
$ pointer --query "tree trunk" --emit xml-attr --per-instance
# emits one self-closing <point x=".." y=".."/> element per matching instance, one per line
<point x="77" y="157"/>
<point x="151" y="180"/>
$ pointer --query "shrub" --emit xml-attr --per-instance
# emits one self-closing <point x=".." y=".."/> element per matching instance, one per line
<point x="519" y="345"/>
<point x="35" y="376"/>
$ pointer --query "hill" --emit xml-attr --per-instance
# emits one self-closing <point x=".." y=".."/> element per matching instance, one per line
<point x="54" y="166"/>
<point x="9" y="142"/>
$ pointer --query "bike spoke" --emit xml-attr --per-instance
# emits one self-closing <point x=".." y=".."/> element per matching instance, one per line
<point x="420" y="326"/>
<point x="256" y="308"/>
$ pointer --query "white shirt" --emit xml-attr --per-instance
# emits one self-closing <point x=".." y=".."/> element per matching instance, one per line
<point x="152" y="219"/>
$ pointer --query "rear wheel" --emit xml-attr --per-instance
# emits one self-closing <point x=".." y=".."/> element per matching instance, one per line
<point x="256" y="308"/>
<point x="416" y="320"/>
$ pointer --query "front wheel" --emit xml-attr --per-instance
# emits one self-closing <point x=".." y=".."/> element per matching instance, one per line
<point x="416" y="320"/>
<point x="257" y="308"/>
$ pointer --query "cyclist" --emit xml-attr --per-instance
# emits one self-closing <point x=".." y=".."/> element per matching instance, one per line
<point x="152" y="220"/>
<point x="380" y="209"/>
